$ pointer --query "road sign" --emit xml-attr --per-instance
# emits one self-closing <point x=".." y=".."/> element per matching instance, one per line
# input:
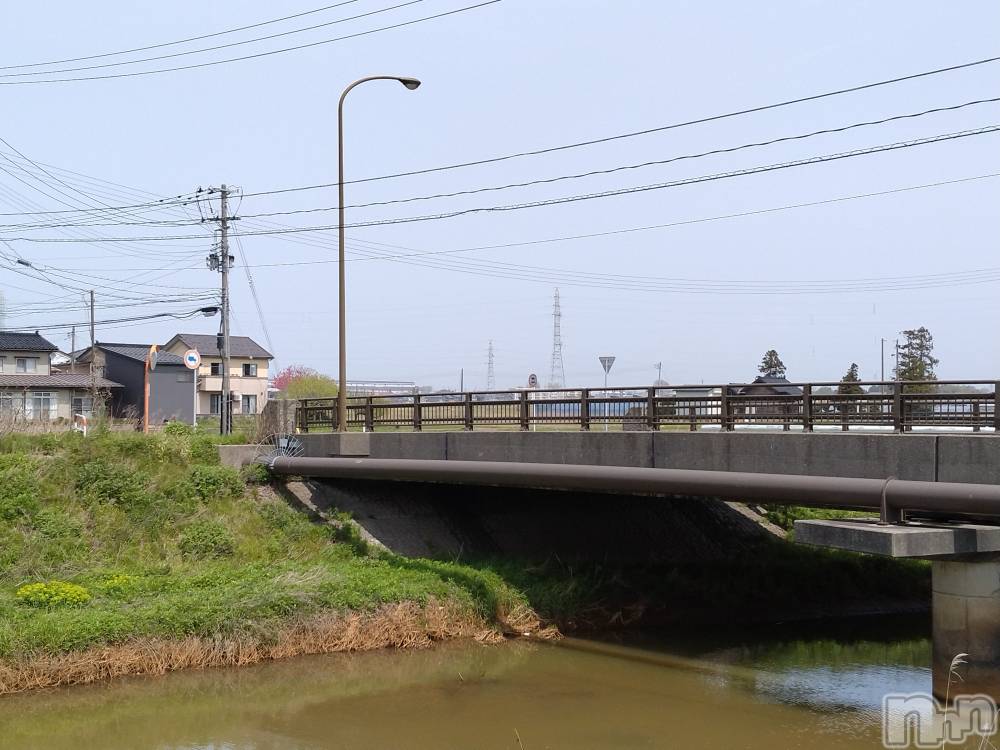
<point x="154" y="355"/>
<point x="606" y="363"/>
<point x="192" y="359"/>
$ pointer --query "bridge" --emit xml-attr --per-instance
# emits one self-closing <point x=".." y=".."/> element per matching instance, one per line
<point x="924" y="457"/>
<point x="895" y="406"/>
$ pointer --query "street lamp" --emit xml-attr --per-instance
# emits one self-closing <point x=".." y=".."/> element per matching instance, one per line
<point x="411" y="84"/>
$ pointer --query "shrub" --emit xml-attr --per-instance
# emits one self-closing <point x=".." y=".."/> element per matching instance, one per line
<point x="52" y="594"/>
<point x="215" y="481"/>
<point x="118" y="585"/>
<point x="204" y="450"/>
<point x="55" y="524"/>
<point x="206" y="539"/>
<point x="178" y="428"/>
<point x="18" y="486"/>
<point x="113" y="484"/>
<point x="255" y="474"/>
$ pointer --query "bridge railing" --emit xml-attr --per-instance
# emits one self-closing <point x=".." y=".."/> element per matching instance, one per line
<point x="972" y="405"/>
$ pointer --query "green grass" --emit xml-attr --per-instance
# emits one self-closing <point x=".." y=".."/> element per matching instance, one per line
<point x="785" y="516"/>
<point x="169" y="544"/>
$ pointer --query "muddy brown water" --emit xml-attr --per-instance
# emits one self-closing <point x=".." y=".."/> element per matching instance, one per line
<point x="770" y="688"/>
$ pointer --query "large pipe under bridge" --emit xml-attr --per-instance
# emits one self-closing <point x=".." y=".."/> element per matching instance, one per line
<point x="965" y="556"/>
<point x="892" y="498"/>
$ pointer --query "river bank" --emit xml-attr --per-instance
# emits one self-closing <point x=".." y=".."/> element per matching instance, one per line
<point x="123" y="554"/>
<point x="130" y="554"/>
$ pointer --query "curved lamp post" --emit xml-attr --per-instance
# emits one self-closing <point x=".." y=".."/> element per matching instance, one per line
<point x="411" y="84"/>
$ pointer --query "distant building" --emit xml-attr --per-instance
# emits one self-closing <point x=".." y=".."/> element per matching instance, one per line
<point x="248" y="371"/>
<point x="171" y="390"/>
<point x="767" y="385"/>
<point x="29" y="389"/>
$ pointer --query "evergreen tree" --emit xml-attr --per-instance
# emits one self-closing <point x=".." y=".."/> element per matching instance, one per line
<point x="772" y="365"/>
<point x="849" y="383"/>
<point x="916" y="360"/>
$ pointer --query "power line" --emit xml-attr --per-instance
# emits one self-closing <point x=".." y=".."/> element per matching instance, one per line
<point x="625" y="230"/>
<point x="647" y="131"/>
<point x="179" y="41"/>
<point x="211" y="49"/>
<point x="808" y="161"/>
<point x="658" y="162"/>
<point x="253" y="56"/>
<point x="253" y="293"/>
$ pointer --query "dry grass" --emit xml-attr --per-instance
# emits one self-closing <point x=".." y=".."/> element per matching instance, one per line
<point x="404" y="625"/>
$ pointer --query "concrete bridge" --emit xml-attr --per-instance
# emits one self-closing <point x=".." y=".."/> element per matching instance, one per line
<point x="919" y="457"/>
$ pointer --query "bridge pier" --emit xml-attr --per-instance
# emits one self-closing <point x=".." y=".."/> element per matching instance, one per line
<point x="965" y="600"/>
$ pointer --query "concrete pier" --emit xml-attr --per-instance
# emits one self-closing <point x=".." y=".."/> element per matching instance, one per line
<point x="966" y="612"/>
<point x="965" y="571"/>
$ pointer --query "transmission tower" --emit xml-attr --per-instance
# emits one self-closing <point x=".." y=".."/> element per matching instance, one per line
<point x="491" y="376"/>
<point x="557" y="378"/>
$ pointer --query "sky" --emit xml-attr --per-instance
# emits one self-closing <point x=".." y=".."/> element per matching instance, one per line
<point x="505" y="78"/>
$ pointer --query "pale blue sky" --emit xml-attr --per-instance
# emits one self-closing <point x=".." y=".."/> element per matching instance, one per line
<point x="522" y="75"/>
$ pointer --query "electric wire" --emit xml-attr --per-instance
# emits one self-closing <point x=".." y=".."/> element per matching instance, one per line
<point x="255" y="55"/>
<point x="179" y="41"/>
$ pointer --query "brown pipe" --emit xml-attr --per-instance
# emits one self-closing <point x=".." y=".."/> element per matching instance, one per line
<point x="783" y="489"/>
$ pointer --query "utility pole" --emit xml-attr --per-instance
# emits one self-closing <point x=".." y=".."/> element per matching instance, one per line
<point x="72" y="349"/>
<point x="222" y="262"/>
<point x="226" y="423"/>
<point x="93" y="358"/>
<point x="659" y="372"/>
<point x="882" y="359"/>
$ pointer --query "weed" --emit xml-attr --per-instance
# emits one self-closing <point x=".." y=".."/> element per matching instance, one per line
<point x="204" y="539"/>
<point x="52" y="594"/>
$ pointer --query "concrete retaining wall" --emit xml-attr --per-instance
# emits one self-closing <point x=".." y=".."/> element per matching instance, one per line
<point x="951" y="458"/>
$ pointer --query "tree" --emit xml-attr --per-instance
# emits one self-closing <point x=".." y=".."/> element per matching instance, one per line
<point x="849" y="383"/>
<point x="297" y="382"/>
<point x="916" y="360"/>
<point x="772" y="365"/>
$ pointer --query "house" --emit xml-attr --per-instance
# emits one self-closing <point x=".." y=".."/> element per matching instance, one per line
<point x="248" y="371"/>
<point x="29" y="389"/>
<point x="171" y="390"/>
<point x="767" y="385"/>
<point x="764" y="386"/>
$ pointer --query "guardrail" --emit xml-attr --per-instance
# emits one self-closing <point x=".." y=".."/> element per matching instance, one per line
<point x="886" y="405"/>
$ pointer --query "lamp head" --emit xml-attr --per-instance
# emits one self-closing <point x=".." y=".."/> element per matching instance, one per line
<point x="410" y="83"/>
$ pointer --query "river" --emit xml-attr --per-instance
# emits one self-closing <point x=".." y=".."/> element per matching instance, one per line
<point x="780" y="687"/>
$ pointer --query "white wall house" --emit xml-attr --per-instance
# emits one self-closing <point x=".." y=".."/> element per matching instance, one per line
<point x="249" y="365"/>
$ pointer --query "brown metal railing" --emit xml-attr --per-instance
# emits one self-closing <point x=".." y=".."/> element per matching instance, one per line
<point x="887" y="405"/>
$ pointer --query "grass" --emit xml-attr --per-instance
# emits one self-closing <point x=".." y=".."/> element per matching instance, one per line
<point x="785" y="516"/>
<point x="170" y="545"/>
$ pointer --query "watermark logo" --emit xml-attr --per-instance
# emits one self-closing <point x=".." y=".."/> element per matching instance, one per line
<point x="917" y="720"/>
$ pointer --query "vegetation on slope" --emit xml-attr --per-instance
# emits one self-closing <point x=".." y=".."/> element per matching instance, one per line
<point x="148" y="537"/>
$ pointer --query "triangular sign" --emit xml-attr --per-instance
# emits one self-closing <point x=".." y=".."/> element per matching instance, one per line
<point x="606" y="363"/>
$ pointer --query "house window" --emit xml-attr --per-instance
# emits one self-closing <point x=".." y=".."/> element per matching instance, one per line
<point x="250" y="370"/>
<point x="215" y="403"/>
<point x="42" y="405"/>
<point x="216" y="369"/>
<point x="83" y="405"/>
<point x="11" y="403"/>
<point x="249" y="403"/>
<point x="25" y="364"/>
<point x="2" y="360"/>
